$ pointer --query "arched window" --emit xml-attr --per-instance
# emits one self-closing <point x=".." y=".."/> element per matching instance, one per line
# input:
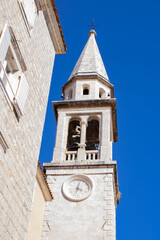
<point x="92" y="135"/>
<point x="102" y="93"/>
<point x="74" y="132"/>
<point x="86" y="89"/>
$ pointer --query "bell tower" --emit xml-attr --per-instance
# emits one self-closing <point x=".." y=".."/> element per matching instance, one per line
<point x="82" y="175"/>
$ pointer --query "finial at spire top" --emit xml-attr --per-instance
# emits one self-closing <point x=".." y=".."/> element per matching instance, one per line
<point x="92" y="31"/>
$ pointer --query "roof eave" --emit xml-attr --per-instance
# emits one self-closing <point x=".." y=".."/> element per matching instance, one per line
<point x="47" y="194"/>
<point x="53" y="23"/>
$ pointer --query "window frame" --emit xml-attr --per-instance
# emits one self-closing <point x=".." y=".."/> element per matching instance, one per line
<point x="102" y="93"/>
<point x="72" y="120"/>
<point x="26" y="18"/>
<point x="12" y="89"/>
<point x="97" y="120"/>
<point x="86" y="87"/>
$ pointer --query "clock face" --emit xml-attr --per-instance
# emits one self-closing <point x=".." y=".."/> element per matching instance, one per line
<point x="77" y="188"/>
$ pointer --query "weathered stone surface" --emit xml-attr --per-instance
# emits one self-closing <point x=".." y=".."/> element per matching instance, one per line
<point x="92" y="218"/>
<point x="18" y="165"/>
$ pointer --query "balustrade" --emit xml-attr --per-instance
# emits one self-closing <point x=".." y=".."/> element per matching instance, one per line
<point x="71" y="156"/>
<point x="91" y="155"/>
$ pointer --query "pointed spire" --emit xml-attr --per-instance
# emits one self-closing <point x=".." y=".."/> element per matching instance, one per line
<point x="90" y="61"/>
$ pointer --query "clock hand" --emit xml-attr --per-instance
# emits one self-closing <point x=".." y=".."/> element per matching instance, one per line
<point x="77" y="188"/>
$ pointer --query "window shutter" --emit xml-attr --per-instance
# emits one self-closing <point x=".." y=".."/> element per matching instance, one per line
<point x="30" y="10"/>
<point x="4" y="42"/>
<point x="22" y="93"/>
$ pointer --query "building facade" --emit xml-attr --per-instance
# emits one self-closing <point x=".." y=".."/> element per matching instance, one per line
<point x="42" y="194"/>
<point x="82" y="175"/>
<point x="30" y="37"/>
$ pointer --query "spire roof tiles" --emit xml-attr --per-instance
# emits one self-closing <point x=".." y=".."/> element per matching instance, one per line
<point x="90" y="61"/>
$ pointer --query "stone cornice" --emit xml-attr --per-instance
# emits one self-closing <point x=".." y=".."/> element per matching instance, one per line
<point x="87" y="165"/>
<point x="91" y="103"/>
<point x="90" y="76"/>
<point x="79" y="165"/>
<point x="52" y="20"/>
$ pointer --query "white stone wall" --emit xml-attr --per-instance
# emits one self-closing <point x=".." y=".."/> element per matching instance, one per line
<point x="103" y="114"/>
<point x="18" y="165"/>
<point x="94" y="87"/>
<point x="90" y="219"/>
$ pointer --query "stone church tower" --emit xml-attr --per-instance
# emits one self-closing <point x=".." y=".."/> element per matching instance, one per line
<point x="82" y="175"/>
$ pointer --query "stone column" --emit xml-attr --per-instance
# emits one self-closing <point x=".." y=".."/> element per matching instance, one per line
<point x="81" y="149"/>
<point x="61" y="135"/>
<point x="106" y="144"/>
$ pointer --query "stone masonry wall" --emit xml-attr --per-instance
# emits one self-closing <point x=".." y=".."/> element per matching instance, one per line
<point x="90" y="219"/>
<point x="18" y="164"/>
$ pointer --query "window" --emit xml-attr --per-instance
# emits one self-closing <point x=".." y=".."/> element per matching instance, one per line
<point x="12" y="79"/>
<point x="92" y="135"/>
<point x="74" y="132"/>
<point x="86" y="89"/>
<point x="29" y="12"/>
<point x="102" y="93"/>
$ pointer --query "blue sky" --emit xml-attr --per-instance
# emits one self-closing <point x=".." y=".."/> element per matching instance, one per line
<point x="128" y="37"/>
